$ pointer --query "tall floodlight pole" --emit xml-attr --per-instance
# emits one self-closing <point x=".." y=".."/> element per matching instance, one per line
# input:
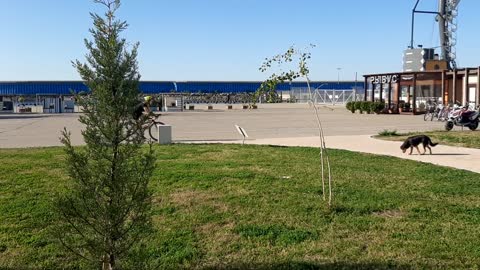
<point x="334" y="96"/>
<point x="414" y="10"/>
<point x="355" y="88"/>
<point x="338" y="75"/>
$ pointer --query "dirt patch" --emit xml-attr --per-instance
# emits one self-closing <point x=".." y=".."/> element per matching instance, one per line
<point x="157" y="199"/>
<point x="389" y="214"/>
<point x="217" y="156"/>
<point x="194" y="198"/>
<point x="189" y="197"/>
<point x="215" y="227"/>
<point x="218" y="240"/>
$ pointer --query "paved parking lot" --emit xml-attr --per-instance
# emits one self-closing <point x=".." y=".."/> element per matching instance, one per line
<point x="268" y="121"/>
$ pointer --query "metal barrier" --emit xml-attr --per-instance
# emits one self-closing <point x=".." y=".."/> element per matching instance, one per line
<point x="325" y="96"/>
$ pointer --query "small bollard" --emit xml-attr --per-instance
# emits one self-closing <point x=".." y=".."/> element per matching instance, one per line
<point x="164" y="134"/>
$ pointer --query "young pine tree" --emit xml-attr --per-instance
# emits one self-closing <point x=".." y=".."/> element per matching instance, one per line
<point x="106" y="210"/>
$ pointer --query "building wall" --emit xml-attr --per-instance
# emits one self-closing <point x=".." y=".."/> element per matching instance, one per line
<point x="161" y="87"/>
<point x="55" y="96"/>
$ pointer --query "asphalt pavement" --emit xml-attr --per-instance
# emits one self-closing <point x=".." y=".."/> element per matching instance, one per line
<point x="274" y="124"/>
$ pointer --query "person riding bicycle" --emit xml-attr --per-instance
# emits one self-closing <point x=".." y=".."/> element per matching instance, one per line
<point x="143" y="108"/>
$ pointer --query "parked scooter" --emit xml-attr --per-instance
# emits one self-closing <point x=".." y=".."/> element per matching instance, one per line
<point x="463" y="117"/>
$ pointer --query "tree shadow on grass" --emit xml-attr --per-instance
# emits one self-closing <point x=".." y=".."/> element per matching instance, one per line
<point x="277" y="146"/>
<point x="219" y="141"/>
<point x="312" y="266"/>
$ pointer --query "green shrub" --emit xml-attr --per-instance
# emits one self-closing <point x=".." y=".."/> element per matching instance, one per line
<point x="358" y="106"/>
<point x="387" y="132"/>
<point x="372" y="107"/>
<point x="382" y="106"/>
<point x="351" y="106"/>
<point x="365" y="106"/>
<point x="404" y="106"/>
<point x="377" y="107"/>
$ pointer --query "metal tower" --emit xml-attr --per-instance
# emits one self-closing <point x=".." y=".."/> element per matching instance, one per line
<point x="447" y="21"/>
<point x="446" y="16"/>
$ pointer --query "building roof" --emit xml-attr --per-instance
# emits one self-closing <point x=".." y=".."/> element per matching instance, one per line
<point x="473" y="70"/>
<point x="160" y="87"/>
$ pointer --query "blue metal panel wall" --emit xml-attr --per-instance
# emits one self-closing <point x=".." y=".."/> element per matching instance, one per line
<point x="329" y="85"/>
<point x="157" y="87"/>
<point x="40" y="88"/>
<point x="65" y="88"/>
<point x="220" y="87"/>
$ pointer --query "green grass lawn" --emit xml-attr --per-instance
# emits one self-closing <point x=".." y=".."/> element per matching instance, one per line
<point x="454" y="138"/>
<point x="260" y="207"/>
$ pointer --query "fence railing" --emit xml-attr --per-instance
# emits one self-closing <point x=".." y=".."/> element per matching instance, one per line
<point x="325" y="96"/>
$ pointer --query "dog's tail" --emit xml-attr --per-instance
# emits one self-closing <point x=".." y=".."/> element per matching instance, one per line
<point x="431" y="143"/>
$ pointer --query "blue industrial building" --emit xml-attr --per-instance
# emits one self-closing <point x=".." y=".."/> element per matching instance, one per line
<point x="56" y="96"/>
<point x="65" y="88"/>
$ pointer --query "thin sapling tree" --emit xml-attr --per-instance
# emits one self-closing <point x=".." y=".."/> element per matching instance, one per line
<point x="300" y="71"/>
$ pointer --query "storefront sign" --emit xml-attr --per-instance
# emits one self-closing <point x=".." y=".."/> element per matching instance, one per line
<point x="384" y="79"/>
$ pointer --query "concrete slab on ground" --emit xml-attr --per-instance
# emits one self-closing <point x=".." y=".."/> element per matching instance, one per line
<point x="449" y="156"/>
<point x="455" y="157"/>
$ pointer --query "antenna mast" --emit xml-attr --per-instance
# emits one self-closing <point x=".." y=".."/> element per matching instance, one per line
<point x="447" y="23"/>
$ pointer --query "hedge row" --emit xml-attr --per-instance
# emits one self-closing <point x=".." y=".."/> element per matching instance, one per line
<point x="365" y="106"/>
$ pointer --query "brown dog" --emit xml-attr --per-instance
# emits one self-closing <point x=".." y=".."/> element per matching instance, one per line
<point x="415" y="141"/>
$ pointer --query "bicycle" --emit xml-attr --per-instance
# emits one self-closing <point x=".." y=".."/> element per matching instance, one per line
<point x="152" y="126"/>
<point x="428" y="116"/>
<point x="441" y="113"/>
<point x="431" y="112"/>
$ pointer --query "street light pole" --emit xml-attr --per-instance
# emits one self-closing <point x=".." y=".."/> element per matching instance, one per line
<point x="338" y="75"/>
<point x="338" y="83"/>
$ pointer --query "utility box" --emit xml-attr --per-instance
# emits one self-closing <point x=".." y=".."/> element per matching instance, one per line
<point x="436" y="65"/>
<point x="164" y="134"/>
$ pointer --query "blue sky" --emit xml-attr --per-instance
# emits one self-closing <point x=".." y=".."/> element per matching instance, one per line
<point x="226" y="39"/>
